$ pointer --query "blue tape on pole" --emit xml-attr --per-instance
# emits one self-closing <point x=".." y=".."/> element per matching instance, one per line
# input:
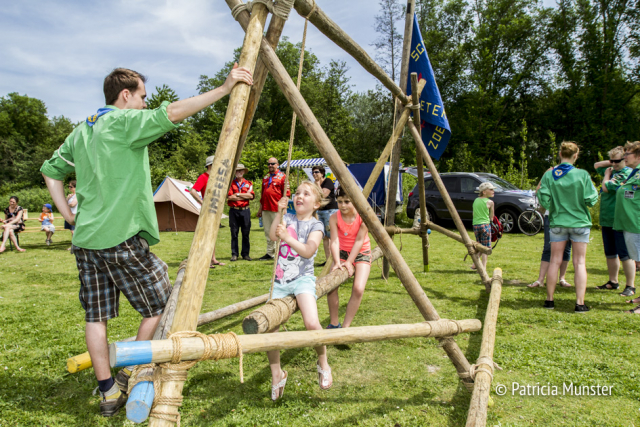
<point x="140" y="402"/>
<point x="133" y="353"/>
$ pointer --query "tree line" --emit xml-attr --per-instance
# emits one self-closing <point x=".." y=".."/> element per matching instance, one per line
<point x="516" y="79"/>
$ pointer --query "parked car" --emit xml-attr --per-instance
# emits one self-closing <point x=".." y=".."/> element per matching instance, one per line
<point x="462" y="187"/>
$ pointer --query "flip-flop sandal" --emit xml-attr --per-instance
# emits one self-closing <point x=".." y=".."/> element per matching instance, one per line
<point x="635" y="310"/>
<point x="277" y="391"/>
<point x="212" y="266"/>
<point x="323" y="378"/>
<point x="218" y="263"/>
<point x="633" y="301"/>
<point x="535" y="284"/>
<point x="564" y="284"/>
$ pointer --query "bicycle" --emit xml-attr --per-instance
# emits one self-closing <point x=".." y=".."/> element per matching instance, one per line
<point x="531" y="221"/>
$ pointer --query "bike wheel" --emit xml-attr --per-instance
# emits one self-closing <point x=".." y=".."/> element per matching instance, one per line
<point x="530" y="222"/>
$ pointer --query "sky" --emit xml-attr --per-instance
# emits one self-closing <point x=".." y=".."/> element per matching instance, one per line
<point x="60" y="52"/>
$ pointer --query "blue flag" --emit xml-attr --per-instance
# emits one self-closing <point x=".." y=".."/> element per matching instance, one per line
<point x="433" y="120"/>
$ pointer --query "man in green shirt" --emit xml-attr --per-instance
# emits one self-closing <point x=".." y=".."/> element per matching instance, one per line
<point x="614" y="171"/>
<point x="116" y="220"/>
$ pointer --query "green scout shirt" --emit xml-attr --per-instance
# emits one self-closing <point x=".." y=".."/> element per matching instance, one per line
<point x="568" y="199"/>
<point x="628" y="205"/>
<point x="608" y="200"/>
<point x="480" y="211"/>
<point x="111" y="162"/>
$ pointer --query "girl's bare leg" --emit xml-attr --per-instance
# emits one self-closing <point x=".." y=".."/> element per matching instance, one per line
<point x="309" y="311"/>
<point x="333" y="300"/>
<point x="557" y="249"/>
<point x="580" y="268"/>
<point x="274" y="364"/>
<point x="359" y="283"/>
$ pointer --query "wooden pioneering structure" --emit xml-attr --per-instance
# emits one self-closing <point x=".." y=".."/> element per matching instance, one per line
<point x="185" y="347"/>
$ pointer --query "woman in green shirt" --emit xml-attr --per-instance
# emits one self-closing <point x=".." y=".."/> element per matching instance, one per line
<point x="567" y="193"/>
<point x="614" y="172"/>
<point x="627" y="216"/>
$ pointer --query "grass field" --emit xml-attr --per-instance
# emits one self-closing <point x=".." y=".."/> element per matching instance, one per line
<point x="394" y="383"/>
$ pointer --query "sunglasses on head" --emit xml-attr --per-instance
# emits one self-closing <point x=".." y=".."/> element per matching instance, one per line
<point x="272" y="164"/>
<point x="616" y="161"/>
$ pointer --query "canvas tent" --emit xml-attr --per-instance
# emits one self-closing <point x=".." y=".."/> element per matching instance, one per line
<point x="176" y="209"/>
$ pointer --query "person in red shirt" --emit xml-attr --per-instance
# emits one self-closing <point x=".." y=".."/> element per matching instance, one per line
<point x="197" y="191"/>
<point x="240" y="192"/>
<point x="272" y="191"/>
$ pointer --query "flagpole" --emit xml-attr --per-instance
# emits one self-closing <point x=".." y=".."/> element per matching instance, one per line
<point x="392" y="189"/>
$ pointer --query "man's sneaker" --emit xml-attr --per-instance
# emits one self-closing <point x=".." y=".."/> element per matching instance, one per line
<point x="247" y="258"/>
<point x="549" y="305"/>
<point x="628" y="291"/>
<point x="581" y="308"/>
<point x="122" y="379"/>
<point x="234" y="258"/>
<point x="266" y="257"/>
<point x="112" y="401"/>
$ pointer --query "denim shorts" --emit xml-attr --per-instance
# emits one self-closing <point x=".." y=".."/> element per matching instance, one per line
<point x="323" y="216"/>
<point x="633" y="245"/>
<point x="614" y="244"/>
<point x="546" y="249"/>
<point x="576" y="235"/>
<point x="301" y="285"/>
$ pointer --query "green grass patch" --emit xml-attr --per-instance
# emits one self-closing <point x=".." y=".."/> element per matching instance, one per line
<point x="401" y="382"/>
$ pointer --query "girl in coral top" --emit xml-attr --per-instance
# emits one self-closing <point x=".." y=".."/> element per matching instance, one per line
<point x="351" y="249"/>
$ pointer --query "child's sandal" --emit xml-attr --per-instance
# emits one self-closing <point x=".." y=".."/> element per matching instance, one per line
<point x="323" y="378"/>
<point x="277" y="391"/>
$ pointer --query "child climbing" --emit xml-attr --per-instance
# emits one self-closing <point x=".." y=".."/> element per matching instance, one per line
<point x="301" y="235"/>
<point x="46" y="218"/>
<point x="483" y="211"/>
<point x="351" y="249"/>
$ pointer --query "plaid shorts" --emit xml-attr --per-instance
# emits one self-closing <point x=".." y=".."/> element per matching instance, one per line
<point x="364" y="257"/>
<point x="128" y="268"/>
<point x="483" y="234"/>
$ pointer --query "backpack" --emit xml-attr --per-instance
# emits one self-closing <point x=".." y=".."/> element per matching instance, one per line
<point x="496" y="230"/>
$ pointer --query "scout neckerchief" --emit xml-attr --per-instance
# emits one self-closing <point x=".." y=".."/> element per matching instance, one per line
<point x="271" y="175"/>
<point x="561" y="170"/>
<point x="633" y="172"/>
<point x="91" y="120"/>
<point x="240" y="184"/>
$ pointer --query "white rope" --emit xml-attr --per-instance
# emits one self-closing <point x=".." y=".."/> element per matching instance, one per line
<point x="281" y="8"/>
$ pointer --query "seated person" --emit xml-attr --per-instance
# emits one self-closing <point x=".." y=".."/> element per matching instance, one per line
<point x="46" y="218"/>
<point x="12" y="224"/>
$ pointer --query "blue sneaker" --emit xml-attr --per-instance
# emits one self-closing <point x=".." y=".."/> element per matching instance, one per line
<point x="334" y="326"/>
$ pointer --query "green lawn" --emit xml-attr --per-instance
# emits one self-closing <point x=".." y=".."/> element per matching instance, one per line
<point x="395" y="383"/>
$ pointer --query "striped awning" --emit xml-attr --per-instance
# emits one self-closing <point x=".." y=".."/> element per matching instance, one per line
<point x="304" y="163"/>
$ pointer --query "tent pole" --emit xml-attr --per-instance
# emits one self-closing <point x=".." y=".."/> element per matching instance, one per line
<point x="174" y="218"/>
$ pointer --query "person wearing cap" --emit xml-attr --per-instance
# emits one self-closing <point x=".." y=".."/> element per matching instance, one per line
<point x="272" y="191"/>
<point x="197" y="191"/>
<point x="567" y="193"/>
<point x="483" y="211"/>
<point x="46" y="218"/>
<point x="116" y="219"/>
<point x="238" y="197"/>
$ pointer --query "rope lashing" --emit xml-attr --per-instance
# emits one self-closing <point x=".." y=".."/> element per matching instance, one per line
<point x="471" y="248"/>
<point x="475" y="368"/>
<point x="276" y="311"/>
<point x="280" y="8"/>
<point x="227" y="346"/>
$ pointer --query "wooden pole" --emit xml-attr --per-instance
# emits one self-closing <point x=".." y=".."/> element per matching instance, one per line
<point x="477" y="246"/>
<point x="276" y="25"/>
<point x="452" y="210"/>
<point x="122" y="354"/>
<point x="326" y="149"/>
<point x="278" y="312"/>
<point x="392" y="188"/>
<point x="477" y="416"/>
<point x="415" y="100"/>
<point x="330" y="29"/>
<point x="205" y="236"/>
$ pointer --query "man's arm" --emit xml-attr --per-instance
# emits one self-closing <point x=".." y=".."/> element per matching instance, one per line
<point x="56" y="189"/>
<point x="195" y="195"/>
<point x="180" y="110"/>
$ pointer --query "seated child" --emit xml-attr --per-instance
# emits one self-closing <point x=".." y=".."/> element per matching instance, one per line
<point x="483" y="209"/>
<point x="300" y="237"/>
<point x="46" y="218"/>
<point x="351" y="249"/>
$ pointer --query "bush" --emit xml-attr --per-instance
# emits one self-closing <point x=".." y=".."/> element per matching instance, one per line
<point x="30" y="199"/>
